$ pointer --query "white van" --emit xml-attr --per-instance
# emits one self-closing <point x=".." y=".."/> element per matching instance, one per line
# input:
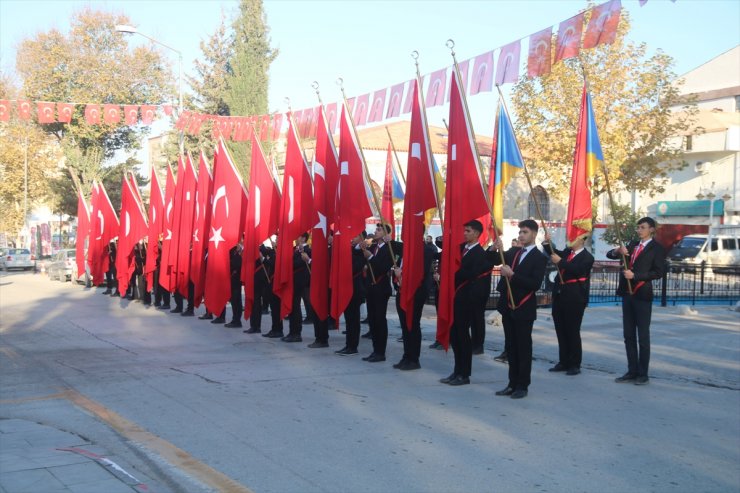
<point x="692" y="249"/>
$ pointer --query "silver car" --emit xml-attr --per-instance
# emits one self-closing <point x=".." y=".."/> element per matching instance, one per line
<point x="63" y="265"/>
<point x="17" y="258"/>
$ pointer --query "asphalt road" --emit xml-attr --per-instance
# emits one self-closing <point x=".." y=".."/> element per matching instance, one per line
<point x="197" y="407"/>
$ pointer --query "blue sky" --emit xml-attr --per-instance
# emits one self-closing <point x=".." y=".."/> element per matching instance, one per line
<point x="368" y="43"/>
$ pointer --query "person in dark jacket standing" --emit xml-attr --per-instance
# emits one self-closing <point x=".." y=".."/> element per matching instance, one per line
<point x="352" y="312"/>
<point x="301" y="282"/>
<point x="525" y="270"/>
<point x="569" y="300"/>
<point x="645" y="262"/>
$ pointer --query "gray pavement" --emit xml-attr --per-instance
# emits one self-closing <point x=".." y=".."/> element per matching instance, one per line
<point x="280" y="417"/>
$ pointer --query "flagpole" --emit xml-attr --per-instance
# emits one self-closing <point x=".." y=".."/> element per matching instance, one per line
<point x="451" y="45"/>
<point x="395" y="154"/>
<point x="366" y="172"/>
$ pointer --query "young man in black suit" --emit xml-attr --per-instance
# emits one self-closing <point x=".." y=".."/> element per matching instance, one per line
<point x="569" y="300"/>
<point x="301" y="282"/>
<point x="352" y="312"/>
<point x="524" y="269"/>
<point x="645" y="262"/>
<point x="471" y="286"/>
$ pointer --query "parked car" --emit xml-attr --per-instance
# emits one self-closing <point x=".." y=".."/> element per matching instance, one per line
<point x="17" y="258"/>
<point x="692" y="250"/>
<point x="63" y="267"/>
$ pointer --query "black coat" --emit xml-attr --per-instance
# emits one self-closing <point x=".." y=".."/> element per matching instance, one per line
<point x="301" y="274"/>
<point x="649" y="265"/>
<point x="525" y="282"/>
<point x="473" y="279"/>
<point x="381" y="263"/>
<point x="573" y="289"/>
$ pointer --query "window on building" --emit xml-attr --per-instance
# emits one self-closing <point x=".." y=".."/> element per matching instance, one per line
<point x="543" y="200"/>
<point x="689" y="142"/>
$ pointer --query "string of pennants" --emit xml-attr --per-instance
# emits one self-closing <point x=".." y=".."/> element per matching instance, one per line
<point x="386" y="103"/>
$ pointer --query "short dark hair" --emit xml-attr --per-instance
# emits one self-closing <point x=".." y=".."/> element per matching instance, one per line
<point x="386" y="227"/>
<point x="530" y="224"/>
<point x="305" y="235"/>
<point x="474" y="224"/>
<point x="649" y="220"/>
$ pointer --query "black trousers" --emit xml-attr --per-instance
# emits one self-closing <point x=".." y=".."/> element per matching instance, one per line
<point x="161" y="295"/>
<point x="636" y="315"/>
<point x="478" y="329"/>
<point x="412" y="336"/>
<point x="295" y="319"/>
<point x="178" y="299"/>
<point x="460" y="338"/>
<point x="262" y="298"/>
<point x="567" y="317"/>
<point x="237" y="305"/>
<point x="377" y="308"/>
<point x="518" y="335"/>
<point x="143" y="291"/>
<point x="352" y="321"/>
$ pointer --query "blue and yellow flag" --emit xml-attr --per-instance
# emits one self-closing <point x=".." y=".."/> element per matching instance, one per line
<point x="508" y="161"/>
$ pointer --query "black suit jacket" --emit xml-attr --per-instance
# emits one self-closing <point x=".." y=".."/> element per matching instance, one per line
<point x="573" y="289"/>
<point x="527" y="278"/>
<point x="358" y="280"/>
<point x="649" y="265"/>
<point x="381" y="263"/>
<point x="473" y="279"/>
<point x="301" y="275"/>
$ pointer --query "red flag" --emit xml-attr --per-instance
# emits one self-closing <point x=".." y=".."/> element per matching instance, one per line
<point x="200" y="229"/>
<point x="437" y="88"/>
<point x="148" y="113"/>
<point x="168" y="223"/>
<point x="92" y="114"/>
<point x="24" y="109"/>
<point x="464" y="200"/>
<point x="376" y="110"/>
<point x="111" y="113"/>
<point x="602" y="26"/>
<point x="409" y="96"/>
<point x="360" y="109"/>
<point x="156" y="224"/>
<point x="296" y="217"/>
<point x="332" y="117"/>
<point x="103" y="228"/>
<point x="507" y="69"/>
<point x="420" y="196"/>
<point x="386" y="204"/>
<point x="394" y="100"/>
<point x="83" y="230"/>
<point x="185" y="231"/>
<point x="540" y="53"/>
<point x="64" y="112"/>
<point x="261" y="221"/>
<point x="482" y="78"/>
<point x="225" y="229"/>
<point x="133" y="227"/>
<point x="462" y="67"/>
<point x="131" y="112"/>
<point x="168" y="272"/>
<point x="569" y="38"/>
<point x="45" y="112"/>
<point x="4" y="110"/>
<point x="277" y="124"/>
<point x="325" y="175"/>
<point x="352" y="209"/>
<point x="182" y="119"/>
<point x="167" y="108"/>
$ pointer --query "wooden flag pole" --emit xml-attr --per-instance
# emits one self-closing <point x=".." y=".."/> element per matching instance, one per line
<point x="395" y="154"/>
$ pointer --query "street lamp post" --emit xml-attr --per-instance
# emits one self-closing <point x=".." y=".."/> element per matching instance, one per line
<point x="122" y="28"/>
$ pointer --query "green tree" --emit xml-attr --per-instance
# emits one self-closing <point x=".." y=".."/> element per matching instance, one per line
<point x="622" y="225"/>
<point x="631" y="93"/>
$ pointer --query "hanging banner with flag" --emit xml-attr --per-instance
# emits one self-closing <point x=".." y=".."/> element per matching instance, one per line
<point x="200" y="229"/>
<point x="156" y="225"/>
<point x="569" y="38"/>
<point x="83" y="232"/>
<point x="602" y="26"/>
<point x="464" y="200"/>
<point x="587" y="157"/>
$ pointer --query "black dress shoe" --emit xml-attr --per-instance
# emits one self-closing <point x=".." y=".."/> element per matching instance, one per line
<point x="318" y="344"/>
<point x="367" y="335"/>
<point x="376" y="358"/>
<point x="398" y="365"/>
<point x="218" y="320"/>
<point x="364" y="321"/>
<point x="558" y="367"/>
<point x="452" y="376"/>
<point x="505" y="392"/>
<point x="573" y="371"/>
<point x="626" y="378"/>
<point x="273" y="334"/>
<point x="460" y="380"/>
<point x="176" y="310"/>
<point x="107" y="291"/>
<point x="501" y="357"/>
<point x="478" y="350"/>
<point x="206" y="316"/>
<point x="519" y="394"/>
<point x="253" y="330"/>
<point x="345" y="351"/>
<point x="436" y="345"/>
<point x="233" y="325"/>
<point x="410" y="365"/>
<point x="163" y="307"/>
<point x="642" y="380"/>
<point x="292" y="338"/>
<point x="367" y="358"/>
<point x="187" y="313"/>
<point x="157" y="304"/>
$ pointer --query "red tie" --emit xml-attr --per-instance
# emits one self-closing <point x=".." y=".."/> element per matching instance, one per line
<point x="516" y="259"/>
<point x="571" y="255"/>
<point x="635" y="254"/>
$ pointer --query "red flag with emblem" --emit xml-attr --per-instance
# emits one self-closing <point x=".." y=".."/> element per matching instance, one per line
<point x="569" y="38"/>
<point x="225" y="229"/>
<point x="64" y="112"/>
<point x="156" y="224"/>
<point x="131" y="113"/>
<point x="111" y="113"/>
<point x="103" y="228"/>
<point x="24" y="109"/>
<point x="465" y="200"/>
<point x="602" y="26"/>
<point x="200" y="227"/>
<point x="45" y="112"/>
<point x="168" y="221"/>
<point x="167" y="274"/>
<point x="4" y="110"/>
<point x="296" y="217"/>
<point x="133" y="228"/>
<point x="92" y="114"/>
<point x="83" y="232"/>
<point x="185" y="231"/>
<point x="386" y="204"/>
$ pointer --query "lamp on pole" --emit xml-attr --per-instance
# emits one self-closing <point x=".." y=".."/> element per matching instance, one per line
<point x="122" y="28"/>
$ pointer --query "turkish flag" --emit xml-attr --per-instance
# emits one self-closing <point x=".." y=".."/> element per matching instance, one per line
<point x="360" y="109"/>
<point x="241" y="130"/>
<point x="277" y="125"/>
<point x="4" y="110"/>
<point x="225" y="228"/>
<point x="482" y="78"/>
<point x="24" y="109"/>
<point x="463" y="68"/>
<point x="92" y="114"/>
<point x="261" y="220"/>
<point x="410" y="96"/>
<point x="182" y="120"/>
<point x="394" y="100"/>
<point x="168" y="224"/>
<point x="131" y="114"/>
<point x="169" y="255"/>
<point x="352" y="208"/>
<point x="156" y="224"/>
<point x="325" y="175"/>
<point x="332" y="117"/>
<point x="602" y="26"/>
<point x="64" y="112"/>
<point x="465" y="199"/>
<point x="148" y="113"/>
<point x="296" y="217"/>
<point x="264" y="122"/>
<point x="83" y="232"/>
<point x="386" y="203"/>
<point x="420" y="197"/>
<point x="376" y="110"/>
<point x="201" y="222"/>
<point x="540" y="53"/>
<point x="185" y="231"/>
<point x="103" y="228"/>
<point x="133" y="228"/>
<point x="111" y="113"/>
<point x="167" y="108"/>
<point x="45" y="112"/>
<point x="437" y="85"/>
<point x="569" y="38"/>
<point x="507" y="69"/>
